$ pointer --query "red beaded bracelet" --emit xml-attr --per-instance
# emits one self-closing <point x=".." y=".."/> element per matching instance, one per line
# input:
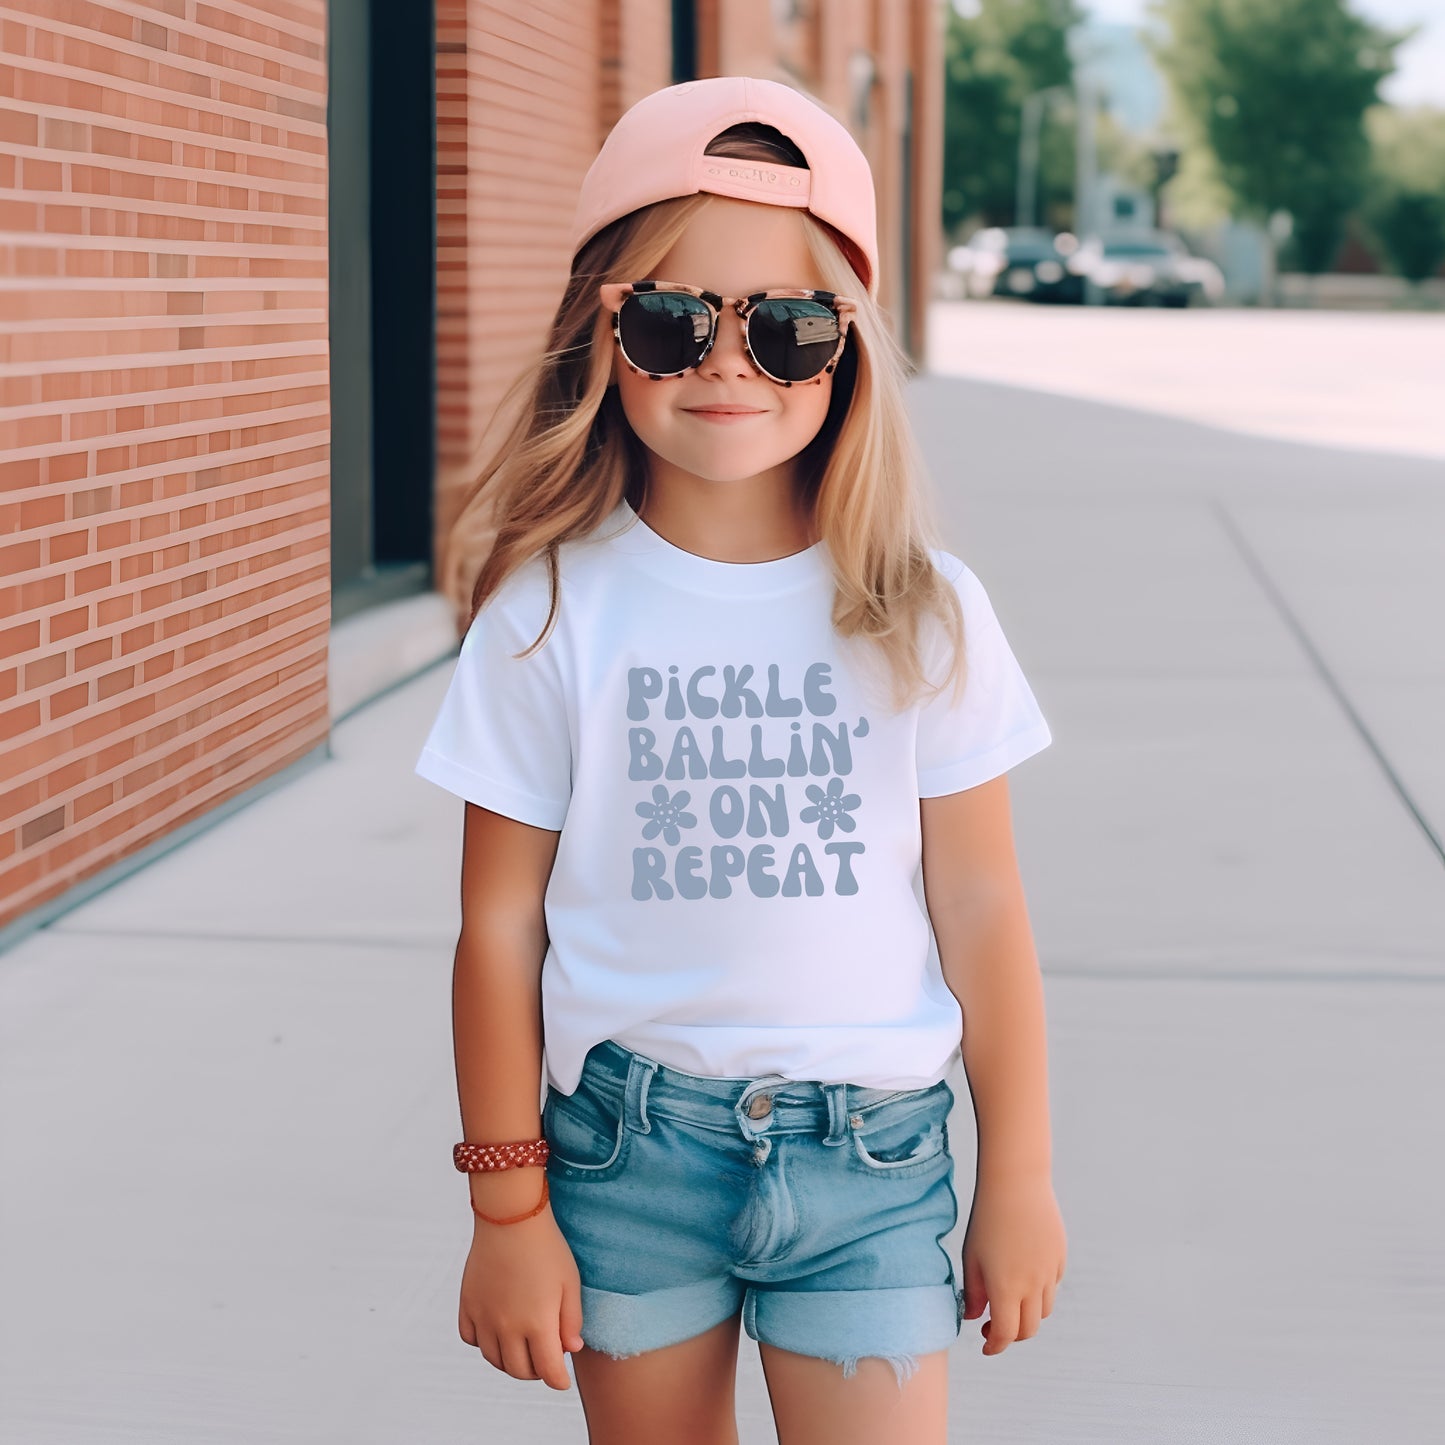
<point x="478" y="1158"/>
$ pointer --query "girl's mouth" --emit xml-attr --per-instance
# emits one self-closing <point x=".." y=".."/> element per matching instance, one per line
<point x="706" y="414"/>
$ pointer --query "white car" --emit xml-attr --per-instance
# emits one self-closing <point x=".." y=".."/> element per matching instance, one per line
<point x="1144" y="268"/>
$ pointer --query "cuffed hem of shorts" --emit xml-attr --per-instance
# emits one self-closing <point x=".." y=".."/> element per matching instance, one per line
<point x="844" y="1326"/>
<point x="621" y="1325"/>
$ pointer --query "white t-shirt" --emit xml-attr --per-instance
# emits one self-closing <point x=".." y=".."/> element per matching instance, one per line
<point x="737" y="888"/>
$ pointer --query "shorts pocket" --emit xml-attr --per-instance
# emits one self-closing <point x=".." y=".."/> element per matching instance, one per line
<point x="903" y="1138"/>
<point x="586" y="1132"/>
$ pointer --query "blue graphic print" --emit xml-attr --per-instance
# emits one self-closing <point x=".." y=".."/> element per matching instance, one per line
<point x="666" y="814"/>
<point x="831" y="808"/>
<point x="754" y="766"/>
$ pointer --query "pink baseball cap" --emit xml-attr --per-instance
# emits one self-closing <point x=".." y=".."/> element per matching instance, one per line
<point x="655" y="152"/>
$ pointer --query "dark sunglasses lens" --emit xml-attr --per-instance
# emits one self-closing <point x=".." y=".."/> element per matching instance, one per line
<point x="664" y="331"/>
<point x="792" y="338"/>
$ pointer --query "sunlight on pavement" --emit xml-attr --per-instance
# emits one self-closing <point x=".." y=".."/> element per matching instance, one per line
<point x="1332" y="378"/>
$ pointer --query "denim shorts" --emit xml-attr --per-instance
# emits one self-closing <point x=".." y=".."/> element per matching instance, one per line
<point x="818" y="1208"/>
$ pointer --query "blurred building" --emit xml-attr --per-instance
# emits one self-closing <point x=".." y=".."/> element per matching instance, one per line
<point x="264" y="273"/>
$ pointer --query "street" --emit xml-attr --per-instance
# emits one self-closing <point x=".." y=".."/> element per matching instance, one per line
<point x="1372" y="380"/>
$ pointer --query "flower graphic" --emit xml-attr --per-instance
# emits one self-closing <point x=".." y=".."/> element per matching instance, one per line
<point x="832" y="808"/>
<point x="665" y="814"/>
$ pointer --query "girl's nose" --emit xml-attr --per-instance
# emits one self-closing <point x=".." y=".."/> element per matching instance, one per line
<point x="728" y="353"/>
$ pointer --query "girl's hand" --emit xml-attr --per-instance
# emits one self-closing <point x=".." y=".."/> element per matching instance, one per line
<point x="521" y="1299"/>
<point x="1013" y="1258"/>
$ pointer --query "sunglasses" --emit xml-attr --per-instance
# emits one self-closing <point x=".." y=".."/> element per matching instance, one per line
<point x="664" y="328"/>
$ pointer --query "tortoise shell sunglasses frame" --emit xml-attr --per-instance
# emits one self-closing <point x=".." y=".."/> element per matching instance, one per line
<point x="616" y="292"/>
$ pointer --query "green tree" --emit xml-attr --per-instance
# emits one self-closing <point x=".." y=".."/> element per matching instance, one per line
<point x="997" y="52"/>
<point x="1277" y="90"/>
<point x="1411" y="226"/>
<point x="1405" y="205"/>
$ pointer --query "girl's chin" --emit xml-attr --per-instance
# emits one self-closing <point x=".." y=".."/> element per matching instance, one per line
<point x="732" y="468"/>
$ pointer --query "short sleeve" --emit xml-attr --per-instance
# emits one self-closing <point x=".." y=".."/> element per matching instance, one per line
<point x="997" y="723"/>
<point x="501" y="737"/>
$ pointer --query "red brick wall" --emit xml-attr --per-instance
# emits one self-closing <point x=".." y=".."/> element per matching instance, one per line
<point x="516" y="128"/>
<point x="164" y="419"/>
<point x="524" y="96"/>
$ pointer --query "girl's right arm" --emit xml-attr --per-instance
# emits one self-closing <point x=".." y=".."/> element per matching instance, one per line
<point x="521" y="1293"/>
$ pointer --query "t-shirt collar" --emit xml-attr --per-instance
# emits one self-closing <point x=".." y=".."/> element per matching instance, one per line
<point x="707" y="574"/>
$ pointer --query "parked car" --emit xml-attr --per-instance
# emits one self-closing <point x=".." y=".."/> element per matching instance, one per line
<point x="1022" y="261"/>
<point x="1144" y="268"/>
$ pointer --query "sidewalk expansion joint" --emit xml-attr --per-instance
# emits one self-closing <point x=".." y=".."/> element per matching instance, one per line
<point x="1257" y="568"/>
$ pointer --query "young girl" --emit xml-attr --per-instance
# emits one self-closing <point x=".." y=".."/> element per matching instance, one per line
<point x="732" y="732"/>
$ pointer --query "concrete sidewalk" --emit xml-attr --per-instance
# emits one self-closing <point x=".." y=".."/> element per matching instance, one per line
<point x="226" y="1100"/>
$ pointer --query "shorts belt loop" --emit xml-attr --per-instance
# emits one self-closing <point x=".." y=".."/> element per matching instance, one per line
<point x="634" y="1104"/>
<point x="837" y="1113"/>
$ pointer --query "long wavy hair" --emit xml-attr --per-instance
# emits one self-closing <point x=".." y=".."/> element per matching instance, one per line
<point x="569" y="456"/>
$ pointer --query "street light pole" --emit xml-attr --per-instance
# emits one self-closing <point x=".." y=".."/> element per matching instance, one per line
<point x="1028" y="158"/>
<point x="1029" y="127"/>
<point x="1085" y="156"/>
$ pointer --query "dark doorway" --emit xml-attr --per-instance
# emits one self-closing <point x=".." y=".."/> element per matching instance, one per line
<point x="684" y="41"/>
<point x="381" y="141"/>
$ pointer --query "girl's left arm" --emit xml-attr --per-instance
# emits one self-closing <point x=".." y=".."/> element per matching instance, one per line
<point x="1014" y="1250"/>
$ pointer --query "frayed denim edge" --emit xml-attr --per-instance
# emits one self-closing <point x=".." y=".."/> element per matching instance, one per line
<point x="904" y="1366"/>
<point x="630" y="1355"/>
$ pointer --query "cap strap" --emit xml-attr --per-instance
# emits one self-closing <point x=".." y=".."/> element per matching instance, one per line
<point x="775" y="185"/>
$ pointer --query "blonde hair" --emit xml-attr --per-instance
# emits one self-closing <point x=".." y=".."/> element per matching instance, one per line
<point x="570" y="457"/>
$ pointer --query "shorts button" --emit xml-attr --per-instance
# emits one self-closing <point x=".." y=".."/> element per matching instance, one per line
<point x="760" y="1105"/>
<point x="856" y="1120"/>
